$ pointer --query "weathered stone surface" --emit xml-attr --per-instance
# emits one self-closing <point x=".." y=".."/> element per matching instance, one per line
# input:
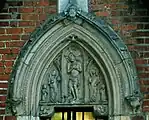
<point x="27" y="118"/>
<point x="60" y="62"/>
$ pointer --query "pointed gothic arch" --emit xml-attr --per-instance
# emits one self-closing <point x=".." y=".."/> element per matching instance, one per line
<point x="88" y="38"/>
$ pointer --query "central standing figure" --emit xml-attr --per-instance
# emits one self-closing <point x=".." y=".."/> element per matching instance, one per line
<point x="74" y="70"/>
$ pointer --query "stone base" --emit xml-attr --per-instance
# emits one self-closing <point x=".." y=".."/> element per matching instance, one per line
<point x="120" y="118"/>
<point x="27" y="118"/>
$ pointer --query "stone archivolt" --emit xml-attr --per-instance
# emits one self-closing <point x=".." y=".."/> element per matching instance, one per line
<point x="76" y="60"/>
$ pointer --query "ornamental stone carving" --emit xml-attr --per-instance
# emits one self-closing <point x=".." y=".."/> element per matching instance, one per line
<point x="73" y="78"/>
<point x="74" y="60"/>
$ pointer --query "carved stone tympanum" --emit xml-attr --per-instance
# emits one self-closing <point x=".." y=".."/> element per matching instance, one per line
<point x="73" y="78"/>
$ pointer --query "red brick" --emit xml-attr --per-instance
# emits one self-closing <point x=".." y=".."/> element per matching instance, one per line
<point x="139" y="26"/>
<point x="26" y="23"/>
<point x="145" y="103"/>
<point x="2" y="44"/>
<point x="144" y="82"/>
<point x="15" y="37"/>
<point x="143" y="89"/>
<point x="142" y="48"/>
<point x="5" y="16"/>
<point x="5" y="51"/>
<point x="102" y="13"/>
<point x="10" y="118"/>
<point x="2" y="30"/>
<point x="143" y="75"/>
<point x="140" y="61"/>
<point x="4" y="37"/>
<point x="147" y="41"/>
<point x="42" y="17"/>
<point x="14" y="3"/>
<point x="52" y="3"/>
<point x="2" y="105"/>
<point x="146" y="68"/>
<point x="31" y="3"/>
<point x="30" y="16"/>
<point x="44" y="3"/>
<point x="1" y="63"/>
<point x="146" y="55"/>
<point x="9" y="56"/>
<point x="116" y="22"/>
<point x="15" y="44"/>
<point x="8" y="70"/>
<point x="131" y="41"/>
<point x="13" y="10"/>
<point x="25" y="37"/>
<point x="135" y="34"/>
<point x="8" y="63"/>
<point x="4" y="24"/>
<point x="3" y="91"/>
<point x="2" y="112"/>
<point x="15" y="50"/>
<point x="38" y="23"/>
<point x="38" y="10"/>
<point x="129" y="27"/>
<point x="2" y="69"/>
<point x="4" y="77"/>
<point x="50" y="10"/>
<point x="2" y="98"/>
<point x="26" y="10"/>
<point x="29" y="30"/>
<point x="3" y="85"/>
<point x="146" y="96"/>
<point x="145" y="109"/>
<point x="13" y="23"/>
<point x="14" y="30"/>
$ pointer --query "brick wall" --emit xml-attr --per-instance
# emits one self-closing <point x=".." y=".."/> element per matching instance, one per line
<point x="19" y="19"/>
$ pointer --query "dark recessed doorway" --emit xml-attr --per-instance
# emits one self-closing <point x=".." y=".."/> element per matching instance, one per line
<point x="74" y="113"/>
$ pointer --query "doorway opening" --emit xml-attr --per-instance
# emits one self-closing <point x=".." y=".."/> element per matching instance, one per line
<point x="74" y="113"/>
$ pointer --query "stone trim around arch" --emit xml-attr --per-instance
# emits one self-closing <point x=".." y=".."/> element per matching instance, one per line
<point x="95" y="40"/>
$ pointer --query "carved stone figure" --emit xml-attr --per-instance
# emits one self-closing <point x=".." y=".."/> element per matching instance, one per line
<point x="74" y="69"/>
<point x="100" y="110"/>
<point x="93" y="84"/>
<point x="46" y="110"/>
<point x="102" y="93"/>
<point x="44" y="93"/>
<point x="54" y="80"/>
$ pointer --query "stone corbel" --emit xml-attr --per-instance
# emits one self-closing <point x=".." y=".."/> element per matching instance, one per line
<point x="46" y="111"/>
<point x="135" y="101"/>
<point x="100" y="110"/>
<point x="12" y="104"/>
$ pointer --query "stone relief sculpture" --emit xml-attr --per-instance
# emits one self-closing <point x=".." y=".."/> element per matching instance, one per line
<point x="73" y="78"/>
<point x="54" y="81"/>
<point x="102" y="93"/>
<point x="94" y="83"/>
<point x="44" y="92"/>
<point x="73" y="69"/>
